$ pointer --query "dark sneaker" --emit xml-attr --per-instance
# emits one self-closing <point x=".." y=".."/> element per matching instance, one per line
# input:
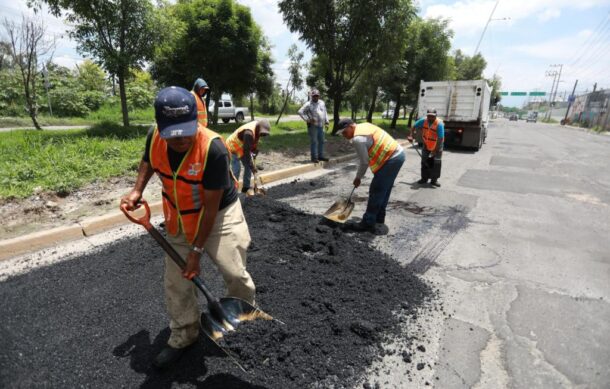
<point x="315" y="160"/>
<point x="435" y="183"/>
<point x="167" y="356"/>
<point x="244" y="190"/>
<point x="323" y="159"/>
<point x="422" y="181"/>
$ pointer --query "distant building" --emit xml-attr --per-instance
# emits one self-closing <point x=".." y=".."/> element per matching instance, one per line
<point x="591" y="110"/>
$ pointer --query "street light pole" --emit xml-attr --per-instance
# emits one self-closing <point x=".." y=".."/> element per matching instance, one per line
<point x="554" y="94"/>
<point x="485" y="29"/>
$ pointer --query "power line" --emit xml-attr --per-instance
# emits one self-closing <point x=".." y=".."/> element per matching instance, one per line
<point x="583" y="49"/>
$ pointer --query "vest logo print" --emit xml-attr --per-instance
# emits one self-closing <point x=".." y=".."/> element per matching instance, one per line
<point x="194" y="169"/>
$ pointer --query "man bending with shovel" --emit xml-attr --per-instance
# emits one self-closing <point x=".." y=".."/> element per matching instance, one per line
<point x="201" y="208"/>
<point x="377" y="150"/>
<point x="243" y="144"/>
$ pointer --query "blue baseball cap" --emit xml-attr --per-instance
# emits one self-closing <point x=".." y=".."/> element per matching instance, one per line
<point x="175" y="112"/>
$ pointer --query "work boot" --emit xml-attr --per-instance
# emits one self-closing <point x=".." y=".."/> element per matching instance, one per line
<point x="435" y="183"/>
<point x="360" y="227"/>
<point x="244" y="190"/>
<point x="315" y="160"/>
<point x="167" y="356"/>
<point x="422" y="181"/>
<point x="324" y="159"/>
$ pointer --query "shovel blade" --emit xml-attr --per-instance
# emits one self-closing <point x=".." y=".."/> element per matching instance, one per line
<point x="234" y="312"/>
<point x="340" y="211"/>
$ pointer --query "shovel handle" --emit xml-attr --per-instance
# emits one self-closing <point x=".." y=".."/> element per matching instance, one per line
<point x="167" y="247"/>
<point x="144" y="220"/>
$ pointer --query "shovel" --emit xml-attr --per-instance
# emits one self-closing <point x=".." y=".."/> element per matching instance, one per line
<point x="341" y="209"/>
<point x="224" y="315"/>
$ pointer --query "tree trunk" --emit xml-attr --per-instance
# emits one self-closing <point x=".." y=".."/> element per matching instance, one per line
<point x="123" y="95"/>
<point x="283" y="107"/>
<point x="411" y="116"/>
<point x="369" y="115"/>
<point x="252" y="106"/>
<point x="396" y="111"/>
<point x="338" y="97"/>
<point x="404" y="111"/>
<point x="32" y="109"/>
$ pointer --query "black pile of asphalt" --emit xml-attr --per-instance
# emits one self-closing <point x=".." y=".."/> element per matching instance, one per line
<point x="98" y="320"/>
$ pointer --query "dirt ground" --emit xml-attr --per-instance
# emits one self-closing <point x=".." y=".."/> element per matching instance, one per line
<point x="46" y="210"/>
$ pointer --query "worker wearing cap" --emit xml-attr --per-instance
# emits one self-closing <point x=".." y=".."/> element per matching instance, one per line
<point x="315" y="115"/>
<point x="201" y="208"/>
<point x="243" y="145"/>
<point x="377" y="150"/>
<point x="433" y="136"/>
<point x="201" y="91"/>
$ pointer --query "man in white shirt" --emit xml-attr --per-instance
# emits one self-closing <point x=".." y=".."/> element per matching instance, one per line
<point x="377" y="150"/>
<point x="314" y="114"/>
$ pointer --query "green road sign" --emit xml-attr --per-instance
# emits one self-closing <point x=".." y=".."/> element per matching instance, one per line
<point x="537" y="93"/>
<point x="518" y="93"/>
<point x="503" y="93"/>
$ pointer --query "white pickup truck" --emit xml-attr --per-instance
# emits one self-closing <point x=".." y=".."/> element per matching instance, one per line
<point x="227" y="111"/>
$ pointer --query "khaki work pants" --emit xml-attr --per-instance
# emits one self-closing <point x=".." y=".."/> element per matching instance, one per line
<point x="226" y="246"/>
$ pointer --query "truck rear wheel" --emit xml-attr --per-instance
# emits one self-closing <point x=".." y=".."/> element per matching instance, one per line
<point x="225" y="120"/>
<point x="239" y="117"/>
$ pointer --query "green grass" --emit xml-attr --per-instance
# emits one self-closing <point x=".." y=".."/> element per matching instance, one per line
<point x="62" y="161"/>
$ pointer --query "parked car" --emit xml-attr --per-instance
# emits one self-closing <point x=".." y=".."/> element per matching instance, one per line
<point x="513" y="117"/>
<point x="387" y="114"/>
<point x="532" y="116"/>
<point x="227" y="111"/>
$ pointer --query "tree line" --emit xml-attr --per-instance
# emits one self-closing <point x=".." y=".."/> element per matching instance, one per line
<point x="363" y="51"/>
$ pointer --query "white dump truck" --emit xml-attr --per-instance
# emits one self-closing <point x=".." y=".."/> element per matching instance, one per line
<point x="462" y="105"/>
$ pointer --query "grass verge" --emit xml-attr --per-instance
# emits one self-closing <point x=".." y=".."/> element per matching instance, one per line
<point x="62" y="161"/>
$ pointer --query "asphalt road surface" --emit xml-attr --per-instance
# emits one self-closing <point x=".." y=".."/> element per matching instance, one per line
<point x="516" y="240"/>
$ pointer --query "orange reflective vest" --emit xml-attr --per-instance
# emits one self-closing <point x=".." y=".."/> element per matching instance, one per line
<point x="182" y="190"/>
<point x="430" y="134"/>
<point x="202" y="112"/>
<point x="383" y="144"/>
<point x="236" y="145"/>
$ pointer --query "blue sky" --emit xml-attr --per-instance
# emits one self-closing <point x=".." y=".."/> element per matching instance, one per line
<point x="540" y="33"/>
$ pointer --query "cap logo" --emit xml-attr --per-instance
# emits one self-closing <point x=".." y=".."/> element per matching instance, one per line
<point x="177" y="132"/>
<point x="174" y="112"/>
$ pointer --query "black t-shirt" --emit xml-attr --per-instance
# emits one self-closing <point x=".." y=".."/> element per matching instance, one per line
<point x="216" y="174"/>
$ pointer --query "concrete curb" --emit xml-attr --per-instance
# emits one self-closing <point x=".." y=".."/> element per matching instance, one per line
<point x="91" y="226"/>
<point x="44" y="239"/>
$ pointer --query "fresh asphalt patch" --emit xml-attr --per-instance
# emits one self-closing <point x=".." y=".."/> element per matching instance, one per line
<point x="99" y="319"/>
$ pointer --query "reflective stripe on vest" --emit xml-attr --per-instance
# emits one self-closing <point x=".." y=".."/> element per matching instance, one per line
<point x="182" y="190"/>
<point x="430" y="134"/>
<point x="202" y="112"/>
<point x="383" y="144"/>
<point x="236" y="145"/>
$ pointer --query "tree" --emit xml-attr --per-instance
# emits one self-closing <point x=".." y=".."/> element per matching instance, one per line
<point x="216" y="39"/>
<point x="28" y="43"/>
<point x="295" y="79"/>
<point x="346" y="35"/>
<point x="468" y="68"/>
<point x="264" y="79"/>
<point x="91" y="77"/>
<point x="425" y="57"/>
<point x="119" y="34"/>
<point x="496" y="87"/>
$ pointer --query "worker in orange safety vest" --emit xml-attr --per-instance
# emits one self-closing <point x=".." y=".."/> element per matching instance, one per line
<point x="201" y="91"/>
<point x="433" y="136"/>
<point x="377" y="150"/>
<point x="201" y="208"/>
<point x="243" y="146"/>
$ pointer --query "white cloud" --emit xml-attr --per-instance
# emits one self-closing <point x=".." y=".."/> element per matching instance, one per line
<point x="468" y="17"/>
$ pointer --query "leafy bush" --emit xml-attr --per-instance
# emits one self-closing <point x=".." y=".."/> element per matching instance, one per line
<point x="68" y="102"/>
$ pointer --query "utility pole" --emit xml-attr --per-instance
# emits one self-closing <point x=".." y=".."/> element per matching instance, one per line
<point x="550" y="73"/>
<point x="554" y="93"/>
<point x="570" y="101"/>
